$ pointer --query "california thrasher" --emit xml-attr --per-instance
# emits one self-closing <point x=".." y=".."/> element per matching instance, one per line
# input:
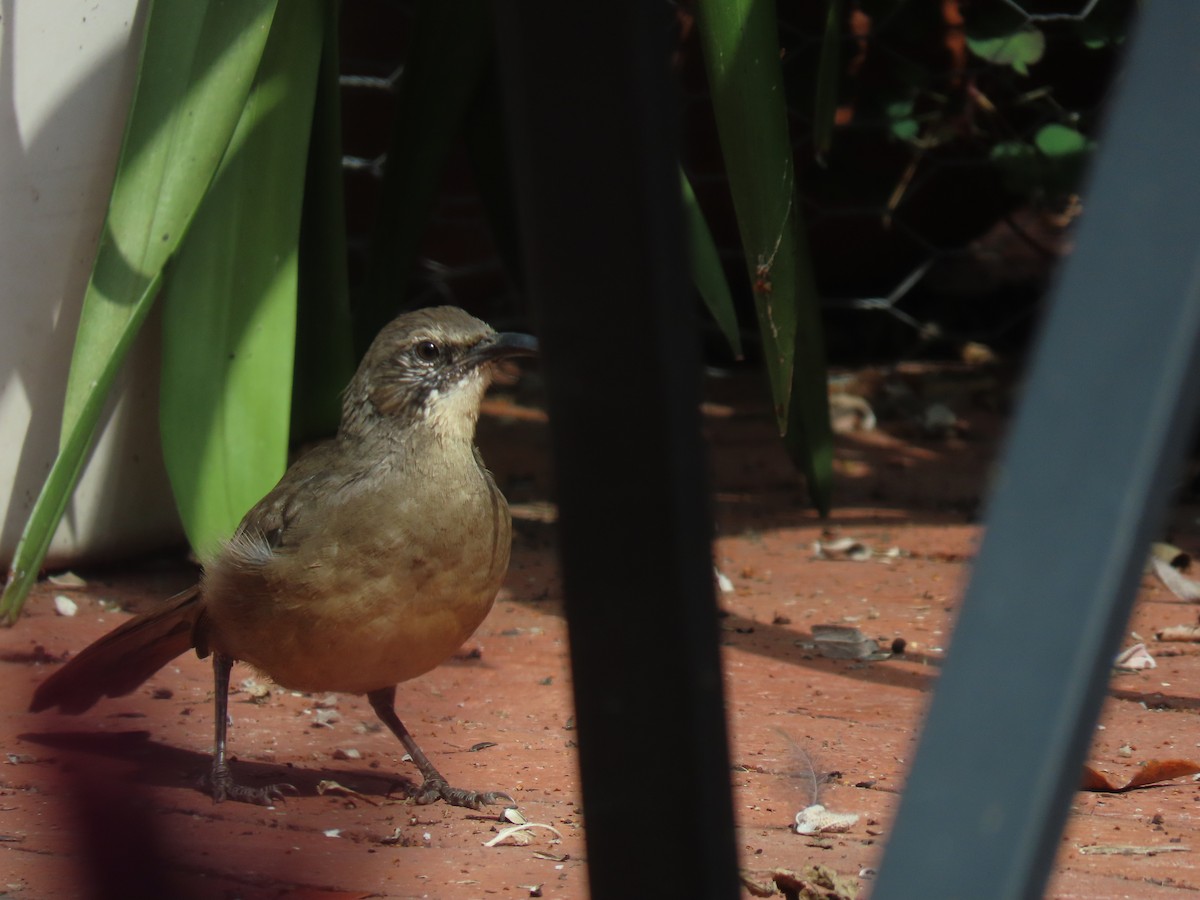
<point x="375" y="556"/>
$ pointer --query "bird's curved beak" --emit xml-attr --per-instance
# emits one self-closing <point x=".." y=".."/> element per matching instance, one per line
<point x="504" y="345"/>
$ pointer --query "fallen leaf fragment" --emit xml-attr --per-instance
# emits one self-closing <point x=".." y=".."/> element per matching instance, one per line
<point x="724" y="585"/>
<point x="1179" y="633"/>
<point x="519" y="835"/>
<point x="325" y="718"/>
<point x="1177" y="583"/>
<point x="842" y="548"/>
<point x="513" y="816"/>
<point x="1171" y="555"/>
<point x="1151" y="772"/>
<point x="1135" y="659"/>
<point x="815" y="883"/>
<point x="67" y="580"/>
<point x="332" y="787"/>
<point x="756" y="887"/>
<point x="816" y="819"/>
<point x="1129" y="849"/>
<point x="849" y="412"/>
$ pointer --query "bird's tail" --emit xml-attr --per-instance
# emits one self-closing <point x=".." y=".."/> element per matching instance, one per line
<point x="117" y="663"/>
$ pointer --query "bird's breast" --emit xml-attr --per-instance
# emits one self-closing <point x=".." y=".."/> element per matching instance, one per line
<point x="384" y="588"/>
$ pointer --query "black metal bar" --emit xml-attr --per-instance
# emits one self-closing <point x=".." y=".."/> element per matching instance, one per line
<point x="592" y="117"/>
<point x="1111" y="399"/>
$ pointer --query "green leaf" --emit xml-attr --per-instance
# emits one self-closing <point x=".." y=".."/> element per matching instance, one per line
<point x="707" y="271"/>
<point x="828" y="69"/>
<point x="1020" y="49"/>
<point x="197" y="64"/>
<point x="1052" y="163"/>
<point x="451" y="47"/>
<point x="230" y="297"/>
<point x="198" y="60"/>
<point x="741" y="51"/>
<point x="56" y="491"/>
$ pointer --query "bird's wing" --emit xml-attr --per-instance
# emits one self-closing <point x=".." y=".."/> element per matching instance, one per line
<point x="300" y="501"/>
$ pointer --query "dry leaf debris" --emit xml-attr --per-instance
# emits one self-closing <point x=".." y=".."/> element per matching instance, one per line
<point x="816" y="819"/>
<point x="1176" y="582"/>
<point x="1135" y="659"/>
<point x="519" y="835"/>
<point x="1151" y="772"/>
<point x="812" y="883"/>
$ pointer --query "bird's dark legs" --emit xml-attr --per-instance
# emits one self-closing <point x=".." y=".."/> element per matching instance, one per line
<point x="221" y="781"/>
<point x="434" y="786"/>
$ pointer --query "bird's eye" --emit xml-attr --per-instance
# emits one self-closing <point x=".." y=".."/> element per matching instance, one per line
<point x="428" y="351"/>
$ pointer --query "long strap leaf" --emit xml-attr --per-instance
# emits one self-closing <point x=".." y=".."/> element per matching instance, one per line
<point x="741" y="52"/>
<point x="229" y="298"/>
<point x="198" y="61"/>
<point x="707" y="271"/>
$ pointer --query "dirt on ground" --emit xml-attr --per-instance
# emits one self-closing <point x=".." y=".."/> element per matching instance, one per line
<point x="87" y="800"/>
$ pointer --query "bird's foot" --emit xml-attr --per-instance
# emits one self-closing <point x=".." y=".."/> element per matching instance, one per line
<point x="434" y="789"/>
<point x="223" y="787"/>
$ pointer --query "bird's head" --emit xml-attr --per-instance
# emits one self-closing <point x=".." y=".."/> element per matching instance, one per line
<point x="430" y="367"/>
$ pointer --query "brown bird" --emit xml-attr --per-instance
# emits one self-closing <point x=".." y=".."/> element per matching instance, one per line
<point x="371" y="561"/>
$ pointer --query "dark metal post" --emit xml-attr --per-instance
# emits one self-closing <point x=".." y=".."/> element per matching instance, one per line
<point x="1111" y="399"/>
<point x="592" y="118"/>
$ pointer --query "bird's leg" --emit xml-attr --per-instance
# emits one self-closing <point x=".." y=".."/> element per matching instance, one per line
<point x="434" y="786"/>
<point x="221" y="780"/>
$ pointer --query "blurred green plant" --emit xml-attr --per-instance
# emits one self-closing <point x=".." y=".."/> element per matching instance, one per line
<point x="1020" y="48"/>
<point x="1032" y="138"/>
<point x="1053" y="161"/>
<point x="227" y="202"/>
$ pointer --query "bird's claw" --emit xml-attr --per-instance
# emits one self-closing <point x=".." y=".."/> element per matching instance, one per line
<point x="434" y="789"/>
<point x="225" y="788"/>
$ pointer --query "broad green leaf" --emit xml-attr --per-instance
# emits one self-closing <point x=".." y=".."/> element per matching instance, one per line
<point x="230" y="297"/>
<point x="707" y="271"/>
<point x="198" y="60"/>
<point x="324" y="332"/>
<point x="450" y="48"/>
<point x="741" y="50"/>
<point x="1020" y="49"/>
<point x="828" y="69"/>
